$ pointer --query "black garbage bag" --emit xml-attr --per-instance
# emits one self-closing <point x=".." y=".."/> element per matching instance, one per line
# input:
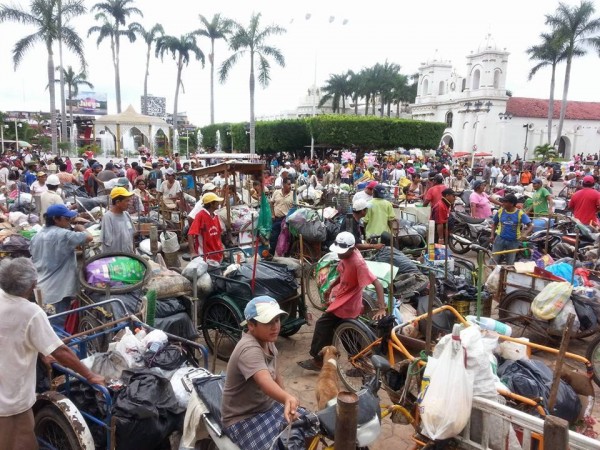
<point x="585" y="312"/>
<point x="168" y="307"/>
<point x="401" y="261"/>
<point x="70" y="189"/>
<point x="170" y="357"/>
<point x="145" y="410"/>
<point x="533" y="379"/>
<point x="272" y="279"/>
<point x="179" y="324"/>
<point x="85" y="203"/>
<point x="442" y="322"/>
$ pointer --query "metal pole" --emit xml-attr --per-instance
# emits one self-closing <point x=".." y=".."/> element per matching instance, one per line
<point x="346" y="421"/>
<point x="16" y="136"/>
<point x="479" y="282"/>
<point x="2" y="137"/>
<point x="559" y="362"/>
<point x="575" y="254"/>
<point x="429" y="323"/>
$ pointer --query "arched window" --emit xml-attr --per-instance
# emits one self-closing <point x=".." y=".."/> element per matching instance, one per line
<point x="449" y="117"/>
<point x="476" y="79"/>
<point x="441" y="88"/>
<point x="464" y="85"/>
<point x="425" y="89"/>
<point x="497" y="74"/>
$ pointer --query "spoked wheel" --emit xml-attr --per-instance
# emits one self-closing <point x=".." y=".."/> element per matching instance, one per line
<point x="593" y="355"/>
<point x="456" y="245"/>
<point x="293" y="309"/>
<point x="311" y="289"/>
<point x="54" y="431"/>
<point x="100" y="343"/>
<point x="350" y="338"/>
<point x="308" y="251"/>
<point x="515" y="310"/>
<point x="220" y="327"/>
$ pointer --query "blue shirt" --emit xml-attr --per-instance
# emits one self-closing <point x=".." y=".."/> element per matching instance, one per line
<point x="509" y="222"/>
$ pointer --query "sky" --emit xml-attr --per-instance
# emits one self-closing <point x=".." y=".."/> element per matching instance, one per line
<point x="406" y="33"/>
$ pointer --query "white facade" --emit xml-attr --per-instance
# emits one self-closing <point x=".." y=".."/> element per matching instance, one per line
<point x="481" y="116"/>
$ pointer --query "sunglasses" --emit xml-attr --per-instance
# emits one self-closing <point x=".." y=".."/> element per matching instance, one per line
<point x="343" y="245"/>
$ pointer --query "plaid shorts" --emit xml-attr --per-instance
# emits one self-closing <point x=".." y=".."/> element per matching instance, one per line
<point x="259" y="431"/>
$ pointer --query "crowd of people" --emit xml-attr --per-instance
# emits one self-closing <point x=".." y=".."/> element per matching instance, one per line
<point x="519" y="190"/>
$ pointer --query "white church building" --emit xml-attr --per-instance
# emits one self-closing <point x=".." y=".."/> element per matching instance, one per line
<point x="481" y="117"/>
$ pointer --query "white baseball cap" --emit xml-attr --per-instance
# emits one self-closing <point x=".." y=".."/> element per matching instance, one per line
<point x="359" y="204"/>
<point x="53" y="180"/>
<point x="344" y="241"/>
<point x="208" y="187"/>
<point x="263" y="309"/>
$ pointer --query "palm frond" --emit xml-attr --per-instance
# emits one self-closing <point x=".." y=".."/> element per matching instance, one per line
<point x="23" y="45"/>
<point x="263" y="71"/>
<point x="228" y="64"/>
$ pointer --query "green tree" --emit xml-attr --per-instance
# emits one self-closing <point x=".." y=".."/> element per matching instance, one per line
<point x="545" y="151"/>
<point x="400" y="93"/>
<point x="218" y="28"/>
<point x="182" y="49"/>
<point x="253" y="40"/>
<point x="113" y="15"/>
<point x="43" y="16"/>
<point x="150" y="37"/>
<point x="336" y="88"/>
<point x="73" y="81"/>
<point x="576" y="26"/>
<point x="549" y="53"/>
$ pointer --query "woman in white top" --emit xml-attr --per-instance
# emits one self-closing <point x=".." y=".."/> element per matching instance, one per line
<point x="37" y="188"/>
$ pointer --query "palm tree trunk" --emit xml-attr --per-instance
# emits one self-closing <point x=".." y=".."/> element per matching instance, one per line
<point x="389" y="108"/>
<point x="563" y="106"/>
<point x="398" y="109"/>
<point x="382" y="112"/>
<point x="373" y="100"/>
<point x="51" y="89"/>
<point x="63" y="114"/>
<point x="343" y="104"/>
<point x="367" y="99"/>
<point x="551" y="103"/>
<point x="252" y="124"/>
<point x="117" y="74"/>
<point x="176" y="99"/>
<point x="356" y="106"/>
<point x="211" y="57"/>
<point x="146" y="75"/>
<point x="71" y="107"/>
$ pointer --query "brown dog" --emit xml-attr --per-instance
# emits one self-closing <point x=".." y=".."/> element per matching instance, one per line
<point x="327" y="384"/>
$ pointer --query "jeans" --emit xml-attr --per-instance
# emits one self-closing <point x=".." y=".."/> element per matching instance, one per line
<point x="59" y="307"/>
<point x="501" y="244"/>
<point x="275" y="231"/>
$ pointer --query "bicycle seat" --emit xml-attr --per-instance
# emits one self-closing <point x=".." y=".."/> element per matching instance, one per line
<point x="468" y="219"/>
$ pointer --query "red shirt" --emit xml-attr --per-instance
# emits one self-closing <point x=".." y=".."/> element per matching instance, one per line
<point x="347" y="295"/>
<point x="434" y="194"/>
<point x="131" y="175"/>
<point x="440" y="212"/>
<point x="585" y="204"/>
<point x="208" y="228"/>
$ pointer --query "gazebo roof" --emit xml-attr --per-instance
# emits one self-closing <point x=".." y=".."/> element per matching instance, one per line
<point x="132" y="118"/>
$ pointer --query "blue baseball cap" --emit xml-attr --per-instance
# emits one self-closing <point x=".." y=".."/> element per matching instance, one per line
<point x="263" y="309"/>
<point x="60" y="211"/>
<point x="537" y="181"/>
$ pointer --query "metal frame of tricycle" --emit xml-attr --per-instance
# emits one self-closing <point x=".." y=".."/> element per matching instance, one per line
<point x="77" y="343"/>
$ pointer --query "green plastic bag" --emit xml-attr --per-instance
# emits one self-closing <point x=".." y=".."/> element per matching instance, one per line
<point x="325" y="273"/>
<point x="126" y="270"/>
<point x="265" y="223"/>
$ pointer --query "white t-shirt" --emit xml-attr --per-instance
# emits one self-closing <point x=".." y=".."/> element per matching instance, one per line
<point x="24" y="332"/>
<point x="170" y="192"/>
<point x="196" y="209"/>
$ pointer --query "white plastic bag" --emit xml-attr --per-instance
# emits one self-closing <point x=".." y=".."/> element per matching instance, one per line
<point x="493" y="281"/>
<point x="551" y="300"/>
<point x="445" y="403"/>
<point x="197" y="265"/>
<point x="155" y="336"/>
<point x="558" y="324"/>
<point x="131" y="349"/>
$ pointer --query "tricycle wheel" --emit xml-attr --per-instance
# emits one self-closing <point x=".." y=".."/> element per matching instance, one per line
<point x="311" y="289"/>
<point x="593" y="355"/>
<point x="52" y="429"/>
<point x="221" y="327"/>
<point x="291" y="308"/>
<point x="307" y="251"/>
<point x="100" y="343"/>
<point x="515" y="310"/>
<point x="350" y="338"/>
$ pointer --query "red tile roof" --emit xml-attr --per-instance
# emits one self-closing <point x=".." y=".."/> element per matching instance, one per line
<point x="537" y="107"/>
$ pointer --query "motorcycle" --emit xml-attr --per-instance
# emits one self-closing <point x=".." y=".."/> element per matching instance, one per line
<point x="319" y="425"/>
<point x="467" y="230"/>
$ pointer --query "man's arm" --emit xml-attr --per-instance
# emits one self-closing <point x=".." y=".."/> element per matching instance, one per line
<point x="65" y="356"/>
<point x="271" y="388"/>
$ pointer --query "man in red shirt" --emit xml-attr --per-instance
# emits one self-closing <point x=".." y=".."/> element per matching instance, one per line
<point x="440" y="213"/>
<point x="434" y="193"/>
<point x="345" y="301"/>
<point x="585" y="203"/>
<point x="206" y="229"/>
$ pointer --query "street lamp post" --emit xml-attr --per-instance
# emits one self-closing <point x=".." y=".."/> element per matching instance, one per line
<point x="526" y="126"/>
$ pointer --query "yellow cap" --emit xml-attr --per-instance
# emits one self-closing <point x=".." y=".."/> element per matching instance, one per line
<point x="210" y="197"/>
<point x="120" y="192"/>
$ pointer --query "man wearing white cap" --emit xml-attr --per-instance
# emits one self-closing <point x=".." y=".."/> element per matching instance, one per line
<point x="255" y="403"/>
<point x="51" y="196"/>
<point x="351" y="223"/>
<point x="344" y="295"/>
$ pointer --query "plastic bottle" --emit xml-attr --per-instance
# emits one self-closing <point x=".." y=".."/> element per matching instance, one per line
<point x="140" y="333"/>
<point x="155" y="347"/>
<point x="487" y="323"/>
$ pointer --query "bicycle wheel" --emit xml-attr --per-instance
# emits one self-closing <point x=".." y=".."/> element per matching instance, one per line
<point x="100" y="343"/>
<point x="311" y="289"/>
<point x="220" y="327"/>
<point x="465" y="268"/>
<point x="593" y="355"/>
<point x="515" y="309"/>
<point x="458" y="246"/>
<point x="350" y="337"/>
<point x="308" y="251"/>
<point x="54" y="430"/>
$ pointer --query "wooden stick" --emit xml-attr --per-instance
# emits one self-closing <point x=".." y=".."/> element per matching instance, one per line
<point x="559" y="362"/>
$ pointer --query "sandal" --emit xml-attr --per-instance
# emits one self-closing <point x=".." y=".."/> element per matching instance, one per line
<point x="310" y="364"/>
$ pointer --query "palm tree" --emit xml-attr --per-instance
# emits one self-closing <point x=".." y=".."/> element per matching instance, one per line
<point x="400" y="93"/>
<point x="549" y="54"/>
<point x="43" y="16"/>
<point x="252" y="40"/>
<point x="386" y="74"/>
<point x="545" y="151"/>
<point x="336" y="88"/>
<point x="182" y="49"/>
<point x="217" y="28"/>
<point x="150" y="37"/>
<point x="73" y="81"/>
<point x="355" y="84"/>
<point x="113" y="15"/>
<point x="574" y="24"/>
<point x="62" y="18"/>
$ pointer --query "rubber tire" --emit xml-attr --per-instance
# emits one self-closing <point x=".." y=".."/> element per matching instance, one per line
<point x="356" y="336"/>
<point x="309" y="253"/>
<point x="467" y="269"/>
<point x="310" y="288"/>
<point x="594" y="348"/>
<point x="522" y="309"/>
<point x="292" y="310"/>
<point x="98" y="344"/>
<point x="455" y="246"/>
<point x="50" y="416"/>
<point x="219" y="312"/>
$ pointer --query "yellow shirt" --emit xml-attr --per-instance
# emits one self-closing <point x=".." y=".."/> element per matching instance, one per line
<point x="282" y="203"/>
